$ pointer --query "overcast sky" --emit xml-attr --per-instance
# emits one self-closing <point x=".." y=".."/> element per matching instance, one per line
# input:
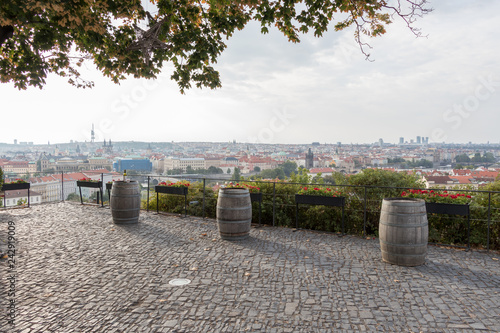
<point x="445" y="87"/>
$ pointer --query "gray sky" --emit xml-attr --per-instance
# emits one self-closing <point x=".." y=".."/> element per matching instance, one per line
<point x="445" y="87"/>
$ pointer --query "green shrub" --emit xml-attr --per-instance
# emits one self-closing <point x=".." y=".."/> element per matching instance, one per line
<point x="443" y="229"/>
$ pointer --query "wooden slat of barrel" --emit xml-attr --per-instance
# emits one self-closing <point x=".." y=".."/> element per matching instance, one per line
<point x="125" y="202"/>
<point x="403" y="231"/>
<point x="234" y="213"/>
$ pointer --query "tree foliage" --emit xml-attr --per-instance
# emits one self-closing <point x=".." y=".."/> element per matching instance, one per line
<point x="289" y="167"/>
<point x="236" y="175"/>
<point x="38" y="37"/>
<point x="379" y="177"/>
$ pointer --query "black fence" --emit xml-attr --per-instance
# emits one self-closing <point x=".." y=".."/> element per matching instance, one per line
<point x="359" y="214"/>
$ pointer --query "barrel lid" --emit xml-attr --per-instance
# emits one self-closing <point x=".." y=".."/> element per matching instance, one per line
<point x="404" y="199"/>
<point x="233" y="189"/>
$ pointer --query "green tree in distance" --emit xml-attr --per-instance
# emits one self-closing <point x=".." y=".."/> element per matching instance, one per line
<point x="38" y="37"/>
<point x="175" y="172"/>
<point x="289" y="167"/>
<point x="462" y="158"/>
<point x="236" y="175"/>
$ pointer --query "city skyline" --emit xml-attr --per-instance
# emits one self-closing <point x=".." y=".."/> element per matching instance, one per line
<point x="424" y="141"/>
<point x="442" y="87"/>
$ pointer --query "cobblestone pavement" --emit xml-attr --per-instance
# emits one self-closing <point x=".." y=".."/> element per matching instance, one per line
<point x="78" y="272"/>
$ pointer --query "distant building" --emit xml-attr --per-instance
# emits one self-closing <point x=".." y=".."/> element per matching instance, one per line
<point x="99" y="163"/>
<point x="309" y="159"/>
<point x="132" y="164"/>
<point x="107" y="148"/>
<point x="183" y="163"/>
<point x="20" y="197"/>
<point x="19" y="167"/>
<point x="401" y="140"/>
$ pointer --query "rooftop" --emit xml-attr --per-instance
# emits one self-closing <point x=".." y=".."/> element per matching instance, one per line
<point x="78" y="272"/>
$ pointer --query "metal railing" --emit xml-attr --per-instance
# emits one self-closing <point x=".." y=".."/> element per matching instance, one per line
<point x="363" y="203"/>
<point x="362" y="207"/>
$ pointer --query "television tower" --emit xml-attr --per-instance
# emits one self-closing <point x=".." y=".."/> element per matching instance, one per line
<point x="92" y="134"/>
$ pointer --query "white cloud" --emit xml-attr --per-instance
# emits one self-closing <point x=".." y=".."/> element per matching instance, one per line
<point x="334" y="94"/>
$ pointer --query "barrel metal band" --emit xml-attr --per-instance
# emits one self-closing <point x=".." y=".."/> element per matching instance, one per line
<point x="404" y="214"/>
<point x="404" y="255"/>
<point x="405" y="225"/>
<point x="233" y="221"/>
<point x="126" y="210"/>
<point x="402" y="245"/>
<point x="235" y="208"/>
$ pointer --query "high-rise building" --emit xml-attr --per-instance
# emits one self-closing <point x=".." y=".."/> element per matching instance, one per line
<point x="419" y="140"/>
<point x="401" y="140"/>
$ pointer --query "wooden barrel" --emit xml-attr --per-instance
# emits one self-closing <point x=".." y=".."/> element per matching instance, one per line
<point x="125" y="202"/>
<point x="234" y="213"/>
<point x="403" y="231"/>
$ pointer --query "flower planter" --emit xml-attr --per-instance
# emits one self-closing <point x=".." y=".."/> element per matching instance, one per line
<point x="171" y="190"/>
<point x="182" y="190"/>
<point x="451" y="209"/>
<point x="319" y="200"/>
<point x="15" y="186"/>
<point x="98" y="185"/>
<point x="256" y="197"/>
<point x="109" y="186"/>
<point x="89" y="184"/>
<point x="447" y="208"/>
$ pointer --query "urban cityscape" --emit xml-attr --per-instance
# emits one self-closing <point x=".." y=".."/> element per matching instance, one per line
<point x="54" y="169"/>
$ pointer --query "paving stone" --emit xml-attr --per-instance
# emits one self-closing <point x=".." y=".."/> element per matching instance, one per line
<point x="78" y="272"/>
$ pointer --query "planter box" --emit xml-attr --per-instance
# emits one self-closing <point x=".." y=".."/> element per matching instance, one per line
<point x="256" y="197"/>
<point x="171" y="190"/>
<point x="15" y="186"/>
<point x="109" y="186"/>
<point x="319" y="200"/>
<point x="89" y="184"/>
<point x="447" y="208"/>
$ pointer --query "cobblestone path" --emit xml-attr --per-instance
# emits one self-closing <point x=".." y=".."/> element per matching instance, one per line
<point x="78" y="272"/>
